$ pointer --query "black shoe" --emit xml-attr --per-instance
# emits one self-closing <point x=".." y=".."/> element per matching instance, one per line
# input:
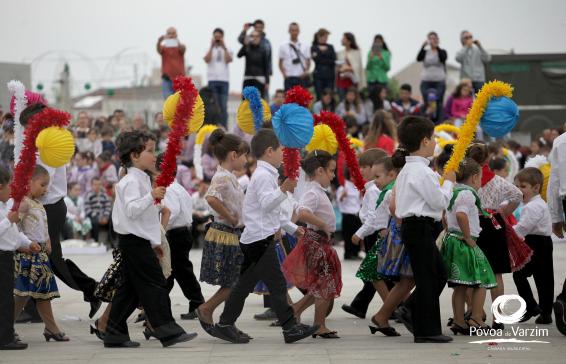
<point x="209" y="328"/>
<point x="26" y="317"/>
<point x="179" y="339"/>
<point x="268" y="315"/>
<point x="299" y="332"/>
<point x="531" y="313"/>
<point x="544" y="319"/>
<point x="95" y="331"/>
<point x="404" y="315"/>
<point x="559" y="310"/>
<point x="125" y="344"/>
<point x="457" y="329"/>
<point x="141" y="317"/>
<point x="94" y="307"/>
<point x="352" y="311"/>
<point x="497" y="326"/>
<point x="229" y="333"/>
<point x="14" y="345"/>
<point x="191" y="315"/>
<point x="437" y="339"/>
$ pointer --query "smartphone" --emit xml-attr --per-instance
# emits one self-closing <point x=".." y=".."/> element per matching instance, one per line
<point x="170" y="43"/>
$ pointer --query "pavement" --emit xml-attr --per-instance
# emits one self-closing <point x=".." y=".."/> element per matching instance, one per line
<point x="356" y="345"/>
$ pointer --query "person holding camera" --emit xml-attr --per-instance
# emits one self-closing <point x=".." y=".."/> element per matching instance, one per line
<point x="378" y="64"/>
<point x="433" y="79"/>
<point x="258" y="25"/>
<point x="295" y="60"/>
<point x="172" y="59"/>
<point x="217" y="59"/>
<point x="472" y="56"/>
<point x="257" y="63"/>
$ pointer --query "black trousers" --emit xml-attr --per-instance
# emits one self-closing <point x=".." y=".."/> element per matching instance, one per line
<point x="291" y="82"/>
<point x="362" y="300"/>
<point x="65" y="269"/>
<point x="418" y="236"/>
<point x="143" y="283"/>
<point x="350" y="224"/>
<point x="180" y="242"/>
<point x="541" y="268"/>
<point x="6" y="297"/>
<point x="259" y="85"/>
<point x="260" y="263"/>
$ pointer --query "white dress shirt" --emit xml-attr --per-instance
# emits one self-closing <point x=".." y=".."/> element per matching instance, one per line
<point x="288" y="206"/>
<point x="418" y="191"/>
<point x="556" y="190"/>
<point x="178" y="200"/>
<point x="352" y="203"/>
<point x="262" y="204"/>
<point x="217" y="69"/>
<point x="134" y="210"/>
<point x="466" y="203"/>
<point x="287" y="54"/>
<point x="368" y="211"/>
<point x="383" y="213"/>
<point x="535" y="218"/>
<point x="317" y="202"/>
<point x="10" y="237"/>
<point x="57" y="188"/>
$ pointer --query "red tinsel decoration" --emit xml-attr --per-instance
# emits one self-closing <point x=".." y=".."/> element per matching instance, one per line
<point x="291" y="162"/>
<point x="183" y="113"/>
<point x="338" y="127"/>
<point x="340" y="169"/>
<point x="24" y="169"/>
<point x="298" y="95"/>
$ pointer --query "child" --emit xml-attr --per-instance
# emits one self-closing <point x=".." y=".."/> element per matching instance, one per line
<point x="180" y="205"/>
<point x="97" y="207"/>
<point x="221" y="256"/>
<point x="499" y="166"/>
<point x="34" y="277"/>
<point x="77" y="221"/>
<point x="535" y="225"/>
<point x="419" y="202"/>
<point x="107" y="142"/>
<point x="314" y="265"/>
<point x="262" y="221"/>
<point x="135" y="218"/>
<point x="107" y="171"/>
<point x="278" y="100"/>
<point x="465" y="262"/>
<point x="349" y="204"/>
<point x="368" y="231"/>
<point x="83" y="172"/>
<point x="10" y="239"/>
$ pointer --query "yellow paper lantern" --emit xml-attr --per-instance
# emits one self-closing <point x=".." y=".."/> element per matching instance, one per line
<point x="323" y="138"/>
<point x="545" y="170"/>
<point x="356" y="143"/>
<point x="194" y="123"/>
<point x="56" y="146"/>
<point x="203" y="132"/>
<point x="245" y="118"/>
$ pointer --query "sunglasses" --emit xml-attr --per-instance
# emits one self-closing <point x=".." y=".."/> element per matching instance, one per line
<point x="468" y="37"/>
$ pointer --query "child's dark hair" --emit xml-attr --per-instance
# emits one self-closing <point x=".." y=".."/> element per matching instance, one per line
<point x="444" y="157"/>
<point x="39" y="171"/>
<point x="223" y="143"/>
<point x="105" y="156"/>
<point x="29" y="112"/>
<point x="132" y="142"/>
<point x="314" y="160"/>
<point x="387" y="163"/>
<point x="532" y="176"/>
<point x="468" y="168"/>
<point x="479" y="153"/>
<point x="5" y="176"/>
<point x="497" y="164"/>
<point x="411" y="132"/>
<point x="70" y="185"/>
<point x="398" y="158"/>
<point x="371" y="156"/>
<point x="95" y="178"/>
<point x="264" y="139"/>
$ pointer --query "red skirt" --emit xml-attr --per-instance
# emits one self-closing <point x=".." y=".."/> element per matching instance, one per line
<point x="519" y="252"/>
<point x="314" y="265"/>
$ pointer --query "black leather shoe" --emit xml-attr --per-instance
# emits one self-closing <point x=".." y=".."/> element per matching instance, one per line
<point x="125" y="344"/>
<point x="352" y="311"/>
<point x="299" y="332"/>
<point x="141" y="317"/>
<point x="229" y="333"/>
<point x="179" y="339"/>
<point x="14" y="345"/>
<point x="544" y="319"/>
<point x="268" y="315"/>
<point x="191" y="315"/>
<point x="531" y="313"/>
<point x="94" y="307"/>
<point x="404" y="315"/>
<point x="437" y="339"/>
<point x="26" y="317"/>
<point x="559" y="311"/>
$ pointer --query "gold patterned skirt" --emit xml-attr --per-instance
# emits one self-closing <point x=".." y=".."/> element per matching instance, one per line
<point x="34" y="276"/>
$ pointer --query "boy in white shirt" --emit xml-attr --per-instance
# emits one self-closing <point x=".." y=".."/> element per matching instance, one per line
<point x="135" y="218"/>
<point x="262" y="220"/>
<point x="349" y="201"/>
<point x="535" y="225"/>
<point x="10" y="239"/>
<point x="419" y="201"/>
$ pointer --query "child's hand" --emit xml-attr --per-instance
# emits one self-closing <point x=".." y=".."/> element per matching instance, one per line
<point x="34" y="247"/>
<point x="24" y="250"/>
<point x="470" y="242"/>
<point x="14" y="217"/>
<point x="48" y="247"/>
<point x="233" y="220"/>
<point x="165" y="211"/>
<point x="356" y="239"/>
<point x="450" y="176"/>
<point x="288" y="185"/>
<point x="158" y="251"/>
<point x="558" y="229"/>
<point x="300" y="232"/>
<point x="158" y="193"/>
<point x="343" y="195"/>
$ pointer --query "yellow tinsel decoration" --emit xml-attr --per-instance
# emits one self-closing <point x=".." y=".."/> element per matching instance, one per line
<point x="203" y="132"/>
<point x="443" y="142"/>
<point x="356" y="143"/>
<point x="449" y="128"/>
<point x="468" y="129"/>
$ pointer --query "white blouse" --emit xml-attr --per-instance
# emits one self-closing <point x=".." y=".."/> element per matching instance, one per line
<point x="368" y="211"/>
<point x="466" y="203"/>
<point x="34" y="221"/>
<point x="316" y="201"/>
<point x="225" y="187"/>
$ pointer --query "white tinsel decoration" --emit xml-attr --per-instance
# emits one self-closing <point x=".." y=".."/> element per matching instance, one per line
<point x="197" y="161"/>
<point x="537" y="161"/>
<point x="18" y="90"/>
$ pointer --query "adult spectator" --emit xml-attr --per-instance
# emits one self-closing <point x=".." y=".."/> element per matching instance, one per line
<point x="327" y="102"/>
<point x="433" y="78"/>
<point x="350" y="69"/>
<point x="406" y="105"/>
<point x="257" y="63"/>
<point x="352" y="106"/>
<point x="217" y="59"/>
<point x="472" y="57"/>
<point x="172" y="53"/>
<point x="324" y="57"/>
<point x="295" y="60"/>
<point x="382" y="132"/>
<point x="378" y="64"/>
<point x="259" y="26"/>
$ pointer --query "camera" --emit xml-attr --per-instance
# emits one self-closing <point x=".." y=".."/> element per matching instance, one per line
<point x="296" y="61"/>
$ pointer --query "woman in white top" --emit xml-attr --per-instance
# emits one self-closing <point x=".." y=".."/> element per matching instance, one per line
<point x="351" y="71"/>
<point x="313" y="264"/>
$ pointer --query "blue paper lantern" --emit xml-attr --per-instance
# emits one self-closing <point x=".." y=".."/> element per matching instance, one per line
<point x="293" y="125"/>
<point x="500" y="116"/>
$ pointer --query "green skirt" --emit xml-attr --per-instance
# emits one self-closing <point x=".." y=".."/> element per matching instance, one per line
<point x="368" y="268"/>
<point x="466" y="266"/>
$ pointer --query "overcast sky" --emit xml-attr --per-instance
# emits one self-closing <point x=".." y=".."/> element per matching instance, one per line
<point x="87" y="34"/>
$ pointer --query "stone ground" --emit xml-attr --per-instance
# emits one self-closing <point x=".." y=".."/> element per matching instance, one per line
<point x="355" y="346"/>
